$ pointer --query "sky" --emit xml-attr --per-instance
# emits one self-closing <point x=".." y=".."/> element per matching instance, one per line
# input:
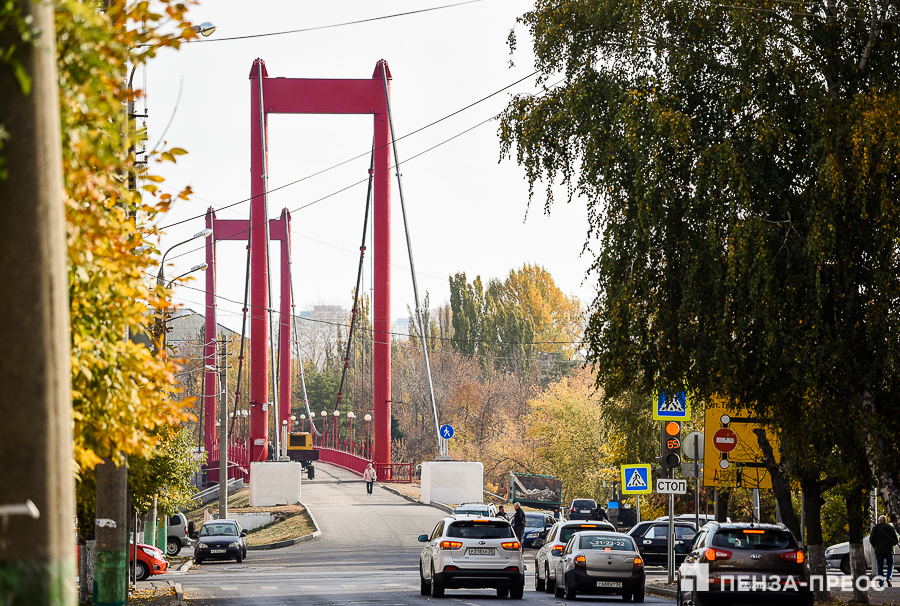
<point x="467" y="210"/>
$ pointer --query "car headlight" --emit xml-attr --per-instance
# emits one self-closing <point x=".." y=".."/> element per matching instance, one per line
<point x="204" y="546"/>
<point x="235" y="544"/>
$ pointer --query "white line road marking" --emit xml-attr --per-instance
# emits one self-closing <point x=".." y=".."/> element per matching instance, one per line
<point x="268" y="587"/>
<point x="228" y="588"/>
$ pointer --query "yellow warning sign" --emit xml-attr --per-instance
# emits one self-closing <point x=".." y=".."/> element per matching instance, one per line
<point x="732" y="456"/>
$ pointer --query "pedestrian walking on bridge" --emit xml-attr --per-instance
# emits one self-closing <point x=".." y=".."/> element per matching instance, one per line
<point x="370" y="477"/>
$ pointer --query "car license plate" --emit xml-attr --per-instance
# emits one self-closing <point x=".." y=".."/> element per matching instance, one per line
<point x="611" y="584"/>
<point x="480" y="551"/>
<point x="585" y="511"/>
<point x="752" y="586"/>
<point x="217" y="551"/>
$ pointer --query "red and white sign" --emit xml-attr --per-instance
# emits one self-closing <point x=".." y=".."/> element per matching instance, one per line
<point x="725" y="440"/>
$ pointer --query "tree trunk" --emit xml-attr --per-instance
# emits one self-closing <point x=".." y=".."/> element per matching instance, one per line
<point x="814" y="548"/>
<point x="722" y="505"/>
<point x="37" y="559"/>
<point x="111" y="549"/>
<point x="855" y="504"/>
<point x="781" y="486"/>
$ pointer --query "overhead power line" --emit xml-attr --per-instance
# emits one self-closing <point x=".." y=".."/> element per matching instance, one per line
<point x="332" y="26"/>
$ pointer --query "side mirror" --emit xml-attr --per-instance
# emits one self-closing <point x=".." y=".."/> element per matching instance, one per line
<point x="538" y="543"/>
<point x="681" y="548"/>
<point x="423" y="538"/>
<point x="244" y="532"/>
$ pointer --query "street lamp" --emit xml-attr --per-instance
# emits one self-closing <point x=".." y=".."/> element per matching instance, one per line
<point x="368" y="418"/>
<point x="202" y="267"/>
<point x="302" y="422"/>
<point x="352" y="416"/>
<point x="204" y="29"/>
<point x="324" y="416"/>
<point x="160" y="277"/>
<point x="334" y="426"/>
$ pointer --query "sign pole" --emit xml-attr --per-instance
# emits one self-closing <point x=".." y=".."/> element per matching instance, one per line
<point x="671" y="548"/>
<point x="638" y="509"/>
<point x="697" y="481"/>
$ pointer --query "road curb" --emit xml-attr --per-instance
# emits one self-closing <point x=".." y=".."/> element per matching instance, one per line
<point x="659" y="590"/>
<point x="186" y="565"/>
<point x="291" y="542"/>
<point x="435" y="504"/>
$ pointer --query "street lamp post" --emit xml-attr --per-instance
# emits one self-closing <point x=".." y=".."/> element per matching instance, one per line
<point x="368" y="452"/>
<point x="302" y="423"/>
<point x="352" y="416"/>
<point x="334" y="441"/>
<point x="324" y="416"/>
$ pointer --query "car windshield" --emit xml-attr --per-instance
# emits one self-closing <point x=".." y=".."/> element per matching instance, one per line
<point x="534" y="520"/>
<point x="606" y="543"/>
<point x="218" y="530"/>
<point x="471" y="512"/>
<point x="477" y="529"/>
<point x="583" y="504"/>
<point x="753" y="538"/>
<point x="567" y="531"/>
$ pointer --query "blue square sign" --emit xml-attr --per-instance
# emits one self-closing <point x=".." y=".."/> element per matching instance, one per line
<point x="675" y="407"/>
<point x="636" y="479"/>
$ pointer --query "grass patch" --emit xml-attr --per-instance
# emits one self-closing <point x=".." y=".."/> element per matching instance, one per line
<point x="291" y="522"/>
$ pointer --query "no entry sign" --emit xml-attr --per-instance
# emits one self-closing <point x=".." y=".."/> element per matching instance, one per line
<point x="725" y="440"/>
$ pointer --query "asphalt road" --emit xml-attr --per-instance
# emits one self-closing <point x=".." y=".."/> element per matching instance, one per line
<point x="367" y="554"/>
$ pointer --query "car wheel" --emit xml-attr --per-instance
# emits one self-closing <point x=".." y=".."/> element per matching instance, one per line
<point x="558" y="590"/>
<point x="549" y="584"/>
<point x="173" y="546"/>
<point x="570" y="593"/>
<point x="638" y="596"/>
<point x="679" y="598"/>
<point x="845" y="564"/>
<point x="239" y="557"/>
<point x="437" y="590"/>
<point x="517" y="592"/>
<point x="424" y="586"/>
<point x="503" y="593"/>
<point x="626" y="597"/>
<point x="539" y="583"/>
<point x="198" y="560"/>
<point x="143" y="572"/>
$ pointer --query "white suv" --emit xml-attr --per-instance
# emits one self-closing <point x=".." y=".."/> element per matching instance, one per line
<point x="472" y="553"/>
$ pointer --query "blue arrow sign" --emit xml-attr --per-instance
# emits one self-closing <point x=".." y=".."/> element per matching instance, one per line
<point x="446" y="432"/>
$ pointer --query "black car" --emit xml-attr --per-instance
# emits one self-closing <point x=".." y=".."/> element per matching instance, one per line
<point x="585" y="509"/>
<point x="652" y="540"/>
<point x="220" y="540"/>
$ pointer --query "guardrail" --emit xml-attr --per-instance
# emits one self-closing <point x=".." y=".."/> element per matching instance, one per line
<point x="386" y="472"/>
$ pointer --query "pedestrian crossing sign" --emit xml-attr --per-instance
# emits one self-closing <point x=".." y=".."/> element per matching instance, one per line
<point x="668" y="407"/>
<point x="636" y="479"/>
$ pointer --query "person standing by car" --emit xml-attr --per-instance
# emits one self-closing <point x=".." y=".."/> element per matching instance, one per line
<point x="883" y="539"/>
<point x="370" y="477"/>
<point x="518" y="522"/>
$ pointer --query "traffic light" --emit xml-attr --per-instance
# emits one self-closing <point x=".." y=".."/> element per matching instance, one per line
<point x="671" y="444"/>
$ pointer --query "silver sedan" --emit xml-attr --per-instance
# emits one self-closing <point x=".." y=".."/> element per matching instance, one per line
<point x="600" y="563"/>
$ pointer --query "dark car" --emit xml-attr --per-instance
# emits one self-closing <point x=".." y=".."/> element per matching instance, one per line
<point x="652" y="540"/>
<point x="585" y="509"/>
<point x="600" y="563"/>
<point x="220" y="540"/>
<point x="536" y="527"/>
<point x="761" y="563"/>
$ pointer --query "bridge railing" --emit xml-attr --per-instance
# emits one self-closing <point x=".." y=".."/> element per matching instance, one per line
<point x="351" y="461"/>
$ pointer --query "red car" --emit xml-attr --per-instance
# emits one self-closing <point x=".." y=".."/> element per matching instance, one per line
<point x="150" y="560"/>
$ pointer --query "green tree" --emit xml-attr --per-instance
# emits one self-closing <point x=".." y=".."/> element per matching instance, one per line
<point x="740" y="165"/>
